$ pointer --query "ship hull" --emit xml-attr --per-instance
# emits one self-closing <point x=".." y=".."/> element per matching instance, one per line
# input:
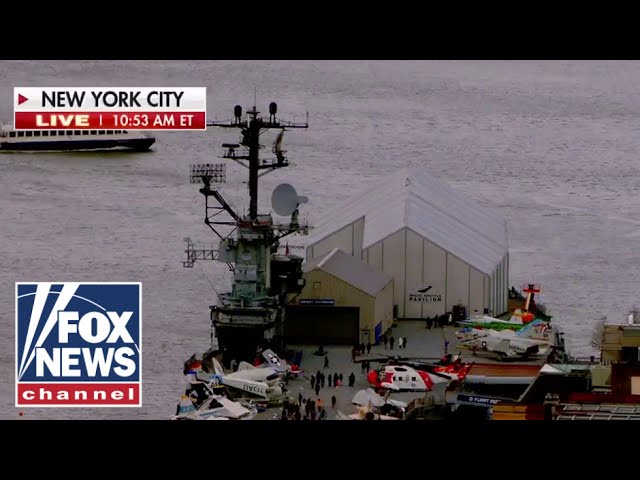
<point x="135" y="144"/>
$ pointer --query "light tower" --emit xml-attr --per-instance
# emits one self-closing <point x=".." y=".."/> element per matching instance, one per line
<point x="251" y="315"/>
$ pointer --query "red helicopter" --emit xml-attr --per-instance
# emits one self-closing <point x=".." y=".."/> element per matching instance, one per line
<point x="403" y="374"/>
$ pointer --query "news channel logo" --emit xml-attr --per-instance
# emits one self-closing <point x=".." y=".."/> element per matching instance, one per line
<point x="78" y="344"/>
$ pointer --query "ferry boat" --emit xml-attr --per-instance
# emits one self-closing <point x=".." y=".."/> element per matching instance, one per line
<point x="72" y="140"/>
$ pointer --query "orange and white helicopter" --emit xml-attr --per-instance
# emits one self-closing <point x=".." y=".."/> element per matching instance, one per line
<point x="401" y="374"/>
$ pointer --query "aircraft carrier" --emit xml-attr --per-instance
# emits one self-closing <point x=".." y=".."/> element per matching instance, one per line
<point x="250" y="317"/>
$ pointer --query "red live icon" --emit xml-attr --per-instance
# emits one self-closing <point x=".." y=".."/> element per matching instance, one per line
<point x="109" y="120"/>
<point x="62" y="120"/>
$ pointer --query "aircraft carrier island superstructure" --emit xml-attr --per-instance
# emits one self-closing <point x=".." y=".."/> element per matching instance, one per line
<point x="251" y="315"/>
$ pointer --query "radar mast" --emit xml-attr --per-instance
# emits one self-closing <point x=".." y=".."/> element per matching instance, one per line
<point x="251" y="315"/>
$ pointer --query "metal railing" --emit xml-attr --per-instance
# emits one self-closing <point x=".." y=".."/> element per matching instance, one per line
<point x="599" y="412"/>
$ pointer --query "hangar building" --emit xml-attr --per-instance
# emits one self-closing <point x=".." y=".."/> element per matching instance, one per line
<point x="441" y="247"/>
<point x="344" y="301"/>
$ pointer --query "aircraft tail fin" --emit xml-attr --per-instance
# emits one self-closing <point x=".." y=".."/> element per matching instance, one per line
<point x="273" y="360"/>
<point x="186" y="405"/>
<point x="537" y="329"/>
<point x="517" y="317"/>
<point x="245" y="366"/>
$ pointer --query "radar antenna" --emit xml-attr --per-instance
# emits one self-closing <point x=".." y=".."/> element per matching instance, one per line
<point x="250" y="130"/>
<point x="263" y="280"/>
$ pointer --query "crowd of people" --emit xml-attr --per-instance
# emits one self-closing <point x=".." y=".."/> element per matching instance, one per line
<point x="320" y="379"/>
<point x="314" y="409"/>
<point x="306" y="409"/>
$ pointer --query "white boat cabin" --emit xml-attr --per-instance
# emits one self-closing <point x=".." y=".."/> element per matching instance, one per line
<point x="58" y="133"/>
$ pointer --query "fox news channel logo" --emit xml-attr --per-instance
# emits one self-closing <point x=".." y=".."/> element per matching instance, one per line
<point x="78" y="344"/>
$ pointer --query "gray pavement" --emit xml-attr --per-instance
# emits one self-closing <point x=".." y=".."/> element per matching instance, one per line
<point x="421" y="342"/>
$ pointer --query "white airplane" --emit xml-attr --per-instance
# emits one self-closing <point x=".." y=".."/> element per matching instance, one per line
<point x="536" y="330"/>
<point x="260" y="382"/>
<point x="484" y="319"/>
<point x="214" y="407"/>
<point x="533" y="338"/>
<point x="265" y="383"/>
<point x="515" y="321"/>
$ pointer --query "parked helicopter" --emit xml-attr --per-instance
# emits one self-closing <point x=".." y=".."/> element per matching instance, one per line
<point x="416" y="374"/>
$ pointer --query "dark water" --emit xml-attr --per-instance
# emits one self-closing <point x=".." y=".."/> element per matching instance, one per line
<point x="554" y="145"/>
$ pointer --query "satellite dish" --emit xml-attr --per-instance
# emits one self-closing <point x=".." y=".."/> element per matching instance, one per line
<point x="285" y="199"/>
